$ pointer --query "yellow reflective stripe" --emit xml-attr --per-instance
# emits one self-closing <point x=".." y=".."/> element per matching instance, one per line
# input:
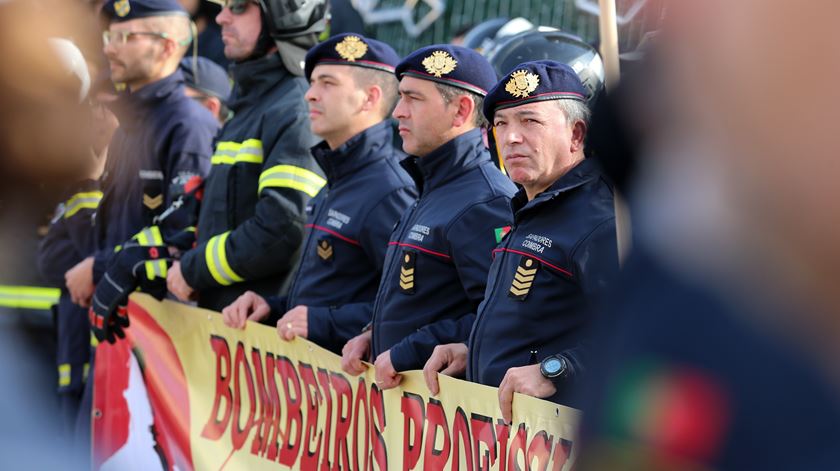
<point x="85" y="372"/>
<point x="215" y="255"/>
<point x="80" y="201"/>
<point x="64" y="374"/>
<point x="231" y="153"/>
<point x="155" y="269"/>
<point x="289" y="176"/>
<point x="149" y="236"/>
<point x="93" y="341"/>
<point x="28" y="297"/>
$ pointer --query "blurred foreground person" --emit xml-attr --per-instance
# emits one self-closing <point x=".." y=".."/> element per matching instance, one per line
<point x="528" y="336"/>
<point x="352" y="92"/>
<point x="723" y="336"/>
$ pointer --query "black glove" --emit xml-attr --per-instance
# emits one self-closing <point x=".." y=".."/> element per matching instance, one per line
<point x="128" y="270"/>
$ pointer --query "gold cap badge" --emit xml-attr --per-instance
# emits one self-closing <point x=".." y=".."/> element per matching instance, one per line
<point x="351" y="48"/>
<point x="122" y="7"/>
<point x="522" y="83"/>
<point x="439" y="63"/>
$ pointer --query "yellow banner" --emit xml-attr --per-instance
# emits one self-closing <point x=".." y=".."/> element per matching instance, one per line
<point x="221" y="398"/>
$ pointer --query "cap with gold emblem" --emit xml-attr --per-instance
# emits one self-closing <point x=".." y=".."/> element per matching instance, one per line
<point x="450" y="65"/>
<point x="534" y="81"/>
<point x="125" y="10"/>
<point x="352" y="49"/>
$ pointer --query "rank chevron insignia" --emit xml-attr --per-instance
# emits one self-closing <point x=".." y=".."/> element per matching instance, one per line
<point x="325" y="250"/>
<point x="523" y="279"/>
<point x="407" y="272"/>
<point x="152" y="202"/>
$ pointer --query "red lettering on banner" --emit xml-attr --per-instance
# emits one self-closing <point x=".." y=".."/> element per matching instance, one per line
<point x="434" y="458"/>
<point x="360" y="412"/>
<point x="539" y="449"/>
<point x="309" y="459"/>
<point x="289" y="452"/>
<point x="238" y="436"/>
<point x="503" y="433"/>
<point x="380" y="451"/>
<point x="562" y="451"/>
<point x="268" y="418"/>
<point x="414" y="416"/>
<point x="324" y="379"/>
<point x="344" y="399"/>
<point x="517" y="446"/>
<point x="484" y="441"/>
<point x="215" y="426"/>
<point x="461" y="429"/>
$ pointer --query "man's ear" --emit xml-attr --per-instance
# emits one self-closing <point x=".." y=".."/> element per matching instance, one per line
<point x="214" y="105"/>
<point x="373" y="98"/>
<point x="578" y="136"/>
<point x="464" y="115"/>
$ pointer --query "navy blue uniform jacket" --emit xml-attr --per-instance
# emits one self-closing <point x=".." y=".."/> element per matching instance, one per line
<point x="560" y="251"/>
<point x="438" y="256"/>
<point x="348" y="227"/>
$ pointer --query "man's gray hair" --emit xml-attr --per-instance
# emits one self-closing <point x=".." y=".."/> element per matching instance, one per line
<point x="575" y="110"/>
<point x="449" y="93"/>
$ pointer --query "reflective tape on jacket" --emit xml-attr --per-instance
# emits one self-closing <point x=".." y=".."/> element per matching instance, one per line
<point x="149" y="237"/>
<point x="289" y="176"/>
<point x="64" y="374"/>
<point x="215" y="255"/>
<point x="80" y="201"/>
<point x="231" y="153"/>
<point x="28" y="297"/>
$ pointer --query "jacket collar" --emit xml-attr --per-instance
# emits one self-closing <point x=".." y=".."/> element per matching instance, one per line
<point x="584" y="172"/>
<point x="448" y="161"/>
<point x="131" y="107"/>
<point x="363" y="148"/>
<point x="253" y="78"/>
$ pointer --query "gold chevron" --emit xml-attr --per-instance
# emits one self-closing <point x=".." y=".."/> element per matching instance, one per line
<point x="523" y="279"/>
<point x="519" y="292"/>
<point x="407" y="279"/>
<point x="406" y="271"/>
<point x="525" y="272"/>
<point x="325" y="254"/>
<point x="406" y="286"/>
<point x="519" y="285"/>
<point x="152" y="202"/>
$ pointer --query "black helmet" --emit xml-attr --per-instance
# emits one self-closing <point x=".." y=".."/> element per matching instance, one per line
<point x="553" y="45"/>
<point x="480" y="36"/>
<point x="288" y="19"/>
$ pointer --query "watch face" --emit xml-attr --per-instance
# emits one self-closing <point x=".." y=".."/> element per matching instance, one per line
<point x="552" y="365"/>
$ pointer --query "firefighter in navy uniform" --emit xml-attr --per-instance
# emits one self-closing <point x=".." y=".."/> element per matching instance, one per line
<point x="528" y="336"/>
<point x="350" y="220"/>
<point x="164" y="138"/>
<point x="438" y="255"/>
<point x="252" y="216"/>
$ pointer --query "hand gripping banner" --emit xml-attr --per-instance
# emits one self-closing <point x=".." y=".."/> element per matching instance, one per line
<point x="184" y="391"/>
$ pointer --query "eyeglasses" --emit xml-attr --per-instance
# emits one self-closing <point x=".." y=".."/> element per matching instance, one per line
<point x="119" y="38"/>
<point x="237" y="7"/>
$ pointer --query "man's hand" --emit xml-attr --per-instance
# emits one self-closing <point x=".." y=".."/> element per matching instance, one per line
<point x="524" y="380"/>
<point x="79" y="280"/>
<point x="386" y="376"/>
<point x="248" y="307"/>
<point x="177" y="285"/>
<point x="354" y="352"/>
<point x="450" y="359"/>
<point x="293" y="322"/>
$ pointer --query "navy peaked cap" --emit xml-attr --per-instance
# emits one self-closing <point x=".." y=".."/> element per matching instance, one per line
<point x="352" y="49"/>
<point x="125" y="10"/>
<point x="450" y="65"/>
<point x="208" y="77"/>
<point x="530" y="82"/>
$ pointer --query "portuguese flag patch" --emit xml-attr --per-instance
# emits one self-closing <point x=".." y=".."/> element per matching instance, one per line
<point x="501" y="232"/>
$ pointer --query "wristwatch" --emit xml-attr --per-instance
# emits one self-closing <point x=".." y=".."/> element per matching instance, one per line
<point x="554" y="366"/>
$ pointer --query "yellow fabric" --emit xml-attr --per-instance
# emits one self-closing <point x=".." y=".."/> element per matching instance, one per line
<point x="215" y="255"/>
<point x="80" y="201"/>
<point x="28" y="297"/>
<point x="231" y="153"/>
<point x="289" y="176"/>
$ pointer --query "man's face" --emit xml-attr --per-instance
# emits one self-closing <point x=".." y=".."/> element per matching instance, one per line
<point x="334" y="101"/>
<point x="138" y="60"/>
<point x="537" y="143"/>
<point x="240" y="31"/>
<point x="424" y="118"/>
